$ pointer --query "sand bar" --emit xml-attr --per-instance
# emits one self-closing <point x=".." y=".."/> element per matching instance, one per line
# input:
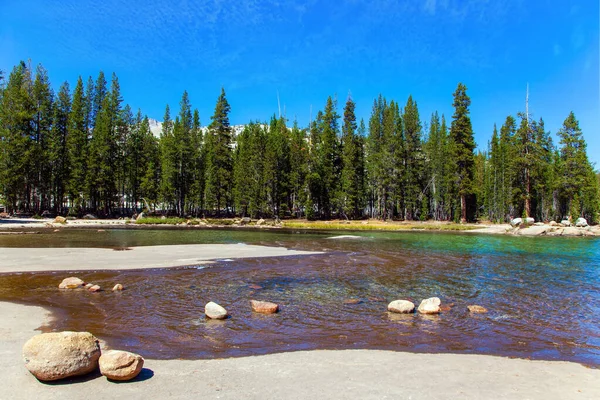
<point x="345" y="374"/>
<point x="89" y="259"/>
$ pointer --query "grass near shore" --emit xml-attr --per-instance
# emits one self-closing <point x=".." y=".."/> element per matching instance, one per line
<point x="366" y="225"/>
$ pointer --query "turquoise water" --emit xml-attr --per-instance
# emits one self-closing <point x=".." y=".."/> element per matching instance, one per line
<point x="543" y="294"/>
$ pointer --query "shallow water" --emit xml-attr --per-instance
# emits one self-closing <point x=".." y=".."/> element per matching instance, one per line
<point x="543" y="294"/>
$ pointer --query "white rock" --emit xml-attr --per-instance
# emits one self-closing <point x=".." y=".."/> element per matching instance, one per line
<point x="120" y="365"/>
<point x="401" y="306"/>
<point x="215" y="311"/>
<point x="430" y="306"/>
<point x="516" y="222"/>
<point x="71" y="283"/>
<point x="581" y="222"/>
<point x="565" y="222"/>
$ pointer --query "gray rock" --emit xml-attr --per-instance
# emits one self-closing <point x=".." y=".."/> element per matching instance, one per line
<point x="215" y="311"/>
<point x="120" y="365"/>
<point x="245" y="220"/>
<point x="59" y="355"/>
<point x="581" y="223"/>
<point x="516" y="222"/>
<point x="89" y="216"/>
<point x="565" y="222"/>
<point x="401" y="307"/>
<point x="534" y="230"/>
<point x="529" y="221"/>
<point x="572" y="231"/>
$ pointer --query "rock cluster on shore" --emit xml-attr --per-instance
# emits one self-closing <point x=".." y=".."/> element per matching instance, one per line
<point x="552" y="228"/>
<point x="61" y="355"/>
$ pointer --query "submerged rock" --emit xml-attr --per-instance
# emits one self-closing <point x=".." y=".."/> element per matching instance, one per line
<point x="117" y="287"/>
<point x="352" y="301"/>
<point x="475" y="309"/>
<point x="59" y="355"/>
<point x="401" y="307"/>
<point x="215" y="311"/>
<point x="71" y="283"/>
<point x="95" y="288"/>
<point x="120" y="365"/>
<point x="430" y="306"/>
<point x="581" y="223"/>
<point x="264" y="307"/>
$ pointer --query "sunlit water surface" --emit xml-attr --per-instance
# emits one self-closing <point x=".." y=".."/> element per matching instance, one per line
<point x="543" y="294"/>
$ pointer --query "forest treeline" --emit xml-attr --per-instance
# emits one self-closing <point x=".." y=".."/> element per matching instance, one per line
<point x="84" y="151"/>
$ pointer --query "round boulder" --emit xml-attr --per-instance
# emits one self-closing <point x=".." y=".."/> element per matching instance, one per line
<point x="95" y="288"/>
<point x="581" y="223"/>
<point x="215" y="311"/>
<point x="401" y="307"/>
<point x="59" y="355"/>
<point x="71" y="283"/>
<point x="430" y="306"/>
<point x="264" y="307"/>
<point x="119" y="365"/>
<point x="475" y="309"/>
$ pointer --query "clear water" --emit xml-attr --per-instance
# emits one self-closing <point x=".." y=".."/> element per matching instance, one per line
<point x="543" y="294"/>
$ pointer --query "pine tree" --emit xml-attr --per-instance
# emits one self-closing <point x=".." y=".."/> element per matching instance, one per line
<point x="58" y="154"/>
<point x="299" y="156"/>
<point x="461" y="134"/>
<point x="77" y="142"/>
<point x="413" y="170"/>
<point x="328" y="159"/>
<point x="219" y="161"/>
<point x="352" y="177"/>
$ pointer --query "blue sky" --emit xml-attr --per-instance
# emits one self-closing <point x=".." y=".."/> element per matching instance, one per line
<point x="307" y="50"/>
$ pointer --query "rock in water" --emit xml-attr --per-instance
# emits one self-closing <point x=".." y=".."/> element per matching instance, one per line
<point x="117" y="287"/>
<point x="401" y="306"/>
<point x="477" y="309"/>
<point x="120" y="365"/>
<point x="215" y="311"/>
<point x="59" y="355"/>
<point x="95" y="288"/>
<point x="71" y="283"/>
<point x="430" y="306"/>
<point x="581" y="223"/>
<point x="264" y="307"/>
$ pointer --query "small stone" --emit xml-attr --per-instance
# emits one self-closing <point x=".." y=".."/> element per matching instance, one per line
<point x="401" y="307"/>
<point x="71" y="283"/>
<point x="119" y="365"/>
<point x="430" y="306"/>
<point x="215" y="311"/>
<point x="553" y="223"/>
<point x="59" y="355"/>
<point x="245" y="220"/>
<point x="88" y="285"/>
<point x="117" y="287"/>
<point x="89" y="217"/>
<point x="255" y="287"/>
<point x="475" y="309"/>
<point x="264" y="307"/>
<point x="101" y="230"/>
<point x="60" y="220"/>
<point x="352" y="301"/>
<point x="95" y="288"/>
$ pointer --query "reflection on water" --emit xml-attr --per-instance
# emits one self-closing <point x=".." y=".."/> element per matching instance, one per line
<point x="543" y="295"/>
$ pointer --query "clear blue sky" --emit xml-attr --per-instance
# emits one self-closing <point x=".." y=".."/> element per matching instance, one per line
<point x="307" y="50"/>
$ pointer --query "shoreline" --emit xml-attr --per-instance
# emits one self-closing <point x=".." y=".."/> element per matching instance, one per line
<point x="23" y="226"/>
<point x="16" y="260"/>
<point x="323" y="374"/>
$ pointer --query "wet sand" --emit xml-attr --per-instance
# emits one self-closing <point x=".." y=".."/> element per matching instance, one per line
<point x="89" y="259"/>
<point x="360" y="374"/>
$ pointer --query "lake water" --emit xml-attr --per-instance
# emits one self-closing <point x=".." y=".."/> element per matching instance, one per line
<point x="543" y="294"/>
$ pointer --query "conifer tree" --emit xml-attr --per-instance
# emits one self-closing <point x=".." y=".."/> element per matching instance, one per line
<point x="77" y="147"/>
<point x="219" y="161"/>
<point x="461" y="134"/>
<point x="58" y="154"/>
<point x="352" y="177"/>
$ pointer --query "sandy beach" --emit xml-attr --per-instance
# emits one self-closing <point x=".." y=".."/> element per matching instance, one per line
<point x="357" y="374"/>
<point x="89" y="259"/>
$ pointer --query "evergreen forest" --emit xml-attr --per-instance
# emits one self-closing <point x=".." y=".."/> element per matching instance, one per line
<point x="81" y="150"/>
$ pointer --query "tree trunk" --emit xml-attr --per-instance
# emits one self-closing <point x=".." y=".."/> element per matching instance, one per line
<point x="463" y="209"/>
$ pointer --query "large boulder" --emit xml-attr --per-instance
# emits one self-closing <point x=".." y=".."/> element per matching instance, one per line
<point x="215" y="311"/>
<point x="516" y="222"/>
<point x="581" y="223"/>
<point x="401" y="306"/>
<point x="119" y="365"/>
<point x="430" y="306"/>
<point x="59" y="355"/>
<point x="264" y="307"/>
<point x="71" y="283"/>
<point x="565" y="222"/>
